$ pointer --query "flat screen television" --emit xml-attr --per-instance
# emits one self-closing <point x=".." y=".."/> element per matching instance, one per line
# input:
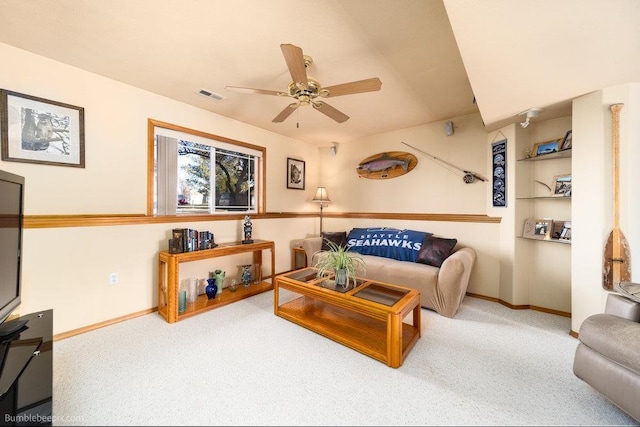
<point x="11" y="224"/>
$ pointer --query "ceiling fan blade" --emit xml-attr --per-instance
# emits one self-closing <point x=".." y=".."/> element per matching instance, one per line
<point x="258" y="91"/>
<point x="285" y="113"/>
<point x="295" y="62"/>
<point x="331" y="112"/>
<point x="368" y="85"/>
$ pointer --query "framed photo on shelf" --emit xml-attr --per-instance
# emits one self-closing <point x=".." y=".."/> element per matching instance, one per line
<point x="565" y="234"/>
<point x="295" y="174"/>
<point x="37" y="130"/>
<point x="539" y="229"/>
<point x="566" y="142"/>
<point x="543" y="228"/>
<point x="557" y="229"/>
<point x="547" y="147"/>
<point x="561" y="186"/>
<point x="529" y="228"/>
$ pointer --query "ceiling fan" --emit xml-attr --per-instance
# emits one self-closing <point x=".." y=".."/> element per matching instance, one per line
<point x="305" y="90"/>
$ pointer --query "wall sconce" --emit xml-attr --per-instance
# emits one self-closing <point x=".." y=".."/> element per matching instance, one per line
<point x="531" y="112"/>
<point x="322" y="198"/>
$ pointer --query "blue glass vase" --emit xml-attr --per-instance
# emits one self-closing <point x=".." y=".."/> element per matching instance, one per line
<point x="212" y="289"/>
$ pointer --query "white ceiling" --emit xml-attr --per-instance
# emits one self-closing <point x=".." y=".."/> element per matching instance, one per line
<point x="516" y="54"/>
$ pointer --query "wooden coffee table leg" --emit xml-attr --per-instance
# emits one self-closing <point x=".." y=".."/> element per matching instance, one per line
<point x="417" y="320"/>
<point x="394" y="340"/>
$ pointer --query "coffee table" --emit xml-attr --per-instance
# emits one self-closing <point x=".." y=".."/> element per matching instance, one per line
<point x="368" y="318"/>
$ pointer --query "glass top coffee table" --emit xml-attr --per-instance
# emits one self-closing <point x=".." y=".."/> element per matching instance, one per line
<point x="368" y="318"/>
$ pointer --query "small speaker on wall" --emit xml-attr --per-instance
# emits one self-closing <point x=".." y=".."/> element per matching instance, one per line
<point x="333" y="150"/>
<point x="448" y="128"/>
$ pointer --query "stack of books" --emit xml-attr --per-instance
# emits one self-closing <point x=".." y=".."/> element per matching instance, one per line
<point x="189" y="240"/>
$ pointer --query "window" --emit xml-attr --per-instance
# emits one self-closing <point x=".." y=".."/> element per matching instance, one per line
<point x="198" y="173"/>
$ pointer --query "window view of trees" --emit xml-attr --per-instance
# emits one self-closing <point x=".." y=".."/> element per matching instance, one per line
<point x="199" y="173"/>
<point x="233" y="183"/>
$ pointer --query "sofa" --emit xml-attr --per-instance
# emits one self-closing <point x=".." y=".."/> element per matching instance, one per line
<point x="608" y="353"/>
<point x="442" y="289"/>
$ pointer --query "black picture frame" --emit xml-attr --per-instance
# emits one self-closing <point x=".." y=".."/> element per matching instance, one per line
<point x="38" y="130"/>
<point x="566" y="142"/>
<point x="295" y="174"/>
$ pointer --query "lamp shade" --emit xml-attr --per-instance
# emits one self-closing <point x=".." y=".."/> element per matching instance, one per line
<point x="321" y="196"/>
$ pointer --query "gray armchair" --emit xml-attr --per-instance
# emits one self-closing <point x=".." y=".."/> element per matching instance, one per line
<point x="608" y="353"/>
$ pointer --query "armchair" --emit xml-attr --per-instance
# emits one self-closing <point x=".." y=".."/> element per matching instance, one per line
<point x="608" y="354"/>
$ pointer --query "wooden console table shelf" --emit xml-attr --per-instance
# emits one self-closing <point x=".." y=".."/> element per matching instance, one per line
<point x="169" y="278"/>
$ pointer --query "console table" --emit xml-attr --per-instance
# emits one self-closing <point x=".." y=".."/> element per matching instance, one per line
<point x="169" y="278"/>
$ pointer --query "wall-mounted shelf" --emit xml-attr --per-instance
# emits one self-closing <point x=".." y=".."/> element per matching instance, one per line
<point x="558" y="155"/>
<point x="545" y="197"/>
<point x="564" y="242"/>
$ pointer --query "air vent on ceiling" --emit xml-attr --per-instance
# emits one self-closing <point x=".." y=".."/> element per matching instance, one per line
<point x="210" y="94"/>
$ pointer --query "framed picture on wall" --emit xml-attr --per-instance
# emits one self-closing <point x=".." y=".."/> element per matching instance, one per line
<point x="37" y="130"/>
<point x="295" y="174"/>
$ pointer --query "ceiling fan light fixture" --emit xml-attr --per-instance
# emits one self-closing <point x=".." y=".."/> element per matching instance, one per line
<point x="304" y="100"/>
<point x="305" y="90"/>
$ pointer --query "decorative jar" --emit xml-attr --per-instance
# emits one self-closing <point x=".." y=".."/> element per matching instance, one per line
<point x="246" y="275"/>
<point x="219" y="276"/>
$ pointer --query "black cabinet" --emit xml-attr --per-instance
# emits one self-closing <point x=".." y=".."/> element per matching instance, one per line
<point x="26" y="370"/>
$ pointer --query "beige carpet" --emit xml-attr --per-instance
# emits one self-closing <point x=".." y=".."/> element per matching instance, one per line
<point x="241" y="365"/>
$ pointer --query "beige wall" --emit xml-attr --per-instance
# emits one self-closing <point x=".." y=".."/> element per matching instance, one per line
<point x="67" y="269"/>
<point x="430" y="187"/>
<point x="593" y="196"/>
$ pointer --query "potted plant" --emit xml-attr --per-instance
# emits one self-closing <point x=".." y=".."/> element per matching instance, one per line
<point x="340" y="261"/>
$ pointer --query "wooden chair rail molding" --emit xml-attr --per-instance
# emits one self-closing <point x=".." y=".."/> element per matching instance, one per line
<point x="57" y="221"/>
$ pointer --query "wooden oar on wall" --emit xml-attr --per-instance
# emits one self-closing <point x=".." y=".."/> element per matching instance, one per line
<point x="617" y="257"/>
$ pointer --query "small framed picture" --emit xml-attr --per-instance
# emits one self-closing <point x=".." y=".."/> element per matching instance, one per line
<point x="529" y="228"/>
<point x="539" y="229"/>
<point x="36" y="130"/>
<point x="547" y="147"/>
<point x="543" y="228"/>
<point x="566" y="142"/>
<point x="557" y="229"/>
<point x="561" y="186"/>
<point x="565" y="234"/>
<point x="295" y="174"/>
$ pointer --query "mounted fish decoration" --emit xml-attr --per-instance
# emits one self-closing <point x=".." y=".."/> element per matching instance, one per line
<point x="387" y="165"/>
